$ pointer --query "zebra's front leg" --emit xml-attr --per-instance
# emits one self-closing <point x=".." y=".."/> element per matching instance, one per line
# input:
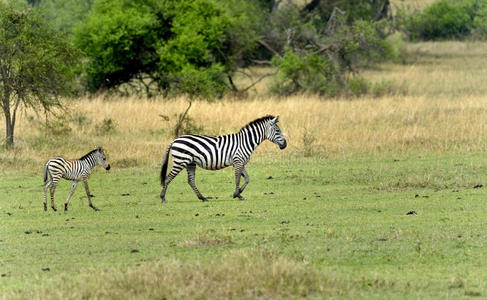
<point x="85" y="181"/>
<point x="73" y="187"/>
<point x="247" y="179"/>
<point x="238" y="173"/>
<point x="191" y="180"/>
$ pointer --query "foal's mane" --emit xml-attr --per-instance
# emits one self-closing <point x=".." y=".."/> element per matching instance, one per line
<point x="259" y="120"/>
<point x="89" y="153"/>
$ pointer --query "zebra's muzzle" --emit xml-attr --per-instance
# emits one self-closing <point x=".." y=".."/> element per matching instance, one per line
<point x="283" y="145"/>
<point x="107" y="168"/>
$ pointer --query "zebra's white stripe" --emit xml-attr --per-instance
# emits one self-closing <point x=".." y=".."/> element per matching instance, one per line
<point x="215" y="153"/>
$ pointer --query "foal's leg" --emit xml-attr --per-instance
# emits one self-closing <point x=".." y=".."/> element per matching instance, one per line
<point x="54" y="183"/>
<point x="73" y="187"/>
<point x="191" y="168"/>
<point x="46" y="185"/>
<point x="85" y="181"/>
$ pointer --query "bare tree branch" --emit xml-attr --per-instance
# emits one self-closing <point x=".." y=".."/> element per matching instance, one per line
<point x="263" y="43"/>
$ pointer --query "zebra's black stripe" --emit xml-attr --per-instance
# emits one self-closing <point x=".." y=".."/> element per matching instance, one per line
<point x="215" y="153"/>
<point x="75" y="170"/>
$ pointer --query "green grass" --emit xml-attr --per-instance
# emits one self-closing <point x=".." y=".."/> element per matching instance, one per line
<point x="336" y="228"/>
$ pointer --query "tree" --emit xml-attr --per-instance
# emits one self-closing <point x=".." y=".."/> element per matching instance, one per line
<point x="315" y="47"/>
<point x="165" y="45"/>
<point x="36" y="64"/>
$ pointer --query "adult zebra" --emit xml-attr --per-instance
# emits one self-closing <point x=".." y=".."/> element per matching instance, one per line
<point x="214" y="153"/>
<point x="76" y="170"/>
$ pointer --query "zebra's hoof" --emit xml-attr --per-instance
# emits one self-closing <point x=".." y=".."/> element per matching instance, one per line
<point x="53" y="208"/>
<point x="204" y="199"/>
<point x="94" y="208"/>
<point x="241" y="198"/>
<point x="65" y="207"/>
<point x="45" y="207"/>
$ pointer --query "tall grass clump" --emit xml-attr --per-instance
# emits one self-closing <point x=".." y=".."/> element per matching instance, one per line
<point x="238" y="274"/>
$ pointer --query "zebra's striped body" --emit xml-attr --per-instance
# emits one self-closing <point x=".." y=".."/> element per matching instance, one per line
<point x="76" y="170"/>
<point x="214" y="153"/>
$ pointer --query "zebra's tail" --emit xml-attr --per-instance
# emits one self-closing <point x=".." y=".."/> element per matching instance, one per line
<point x="164" y="166"/>
<point x="45" y="172"/>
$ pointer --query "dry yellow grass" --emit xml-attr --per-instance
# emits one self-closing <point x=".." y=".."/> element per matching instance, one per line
<point x="332" y="127"/>
<point x="438" y="69"/>
<point x="411" y="4"/>
<point x="440" y="108"/>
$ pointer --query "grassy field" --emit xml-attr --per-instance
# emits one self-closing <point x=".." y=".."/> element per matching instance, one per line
<point x="317" y="228"/>
<point x="375" y="197"/>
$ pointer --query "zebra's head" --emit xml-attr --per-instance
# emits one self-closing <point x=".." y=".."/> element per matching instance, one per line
<point x="274" y="134"/>
<point x="101" y="158"/>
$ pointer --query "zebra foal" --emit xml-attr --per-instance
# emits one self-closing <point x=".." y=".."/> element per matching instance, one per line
<point x="76" y="170"/>
<point x="214" y="153"/>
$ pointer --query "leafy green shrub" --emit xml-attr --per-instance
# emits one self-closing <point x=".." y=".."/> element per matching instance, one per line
<point x="478" y="10"/>
<point x="358" y="86"/>
<point x="440" y="20"/>
<point x="310" y="73"/>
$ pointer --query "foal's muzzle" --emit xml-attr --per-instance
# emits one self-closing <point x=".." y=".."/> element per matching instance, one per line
<point x="107" y="168"/>
<point x="283" y="145"/>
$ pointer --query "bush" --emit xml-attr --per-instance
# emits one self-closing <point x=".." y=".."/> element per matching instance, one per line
<point x="310" y="73"/>
<point x="445" y="20"/>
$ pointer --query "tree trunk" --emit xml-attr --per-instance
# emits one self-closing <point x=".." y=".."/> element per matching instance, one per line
<point x="9" y="130"/>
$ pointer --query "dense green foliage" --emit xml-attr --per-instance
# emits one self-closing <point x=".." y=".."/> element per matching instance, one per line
<point x="179" y="46"/>
<point x="195" y="47"/>
<point x="316" y="57"/>
<point x="119" y="38"/>
<point x="36" y="64"/>
<point x="446" y="19"/>
<point x="64" y="15"/>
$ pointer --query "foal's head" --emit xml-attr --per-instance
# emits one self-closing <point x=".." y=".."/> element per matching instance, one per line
<point x="100" y="158"/>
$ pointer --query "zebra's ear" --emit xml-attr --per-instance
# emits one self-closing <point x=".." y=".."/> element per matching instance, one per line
<point x="274" y="121"/>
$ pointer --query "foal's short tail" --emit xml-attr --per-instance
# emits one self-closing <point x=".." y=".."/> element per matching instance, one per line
<point x="45" y="172"/>
<point x="164" y="166"/>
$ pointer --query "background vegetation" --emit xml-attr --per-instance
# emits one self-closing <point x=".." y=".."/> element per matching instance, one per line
<point x="380" y="193"/>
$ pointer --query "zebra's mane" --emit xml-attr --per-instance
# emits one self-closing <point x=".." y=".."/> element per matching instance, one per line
<point x="259" y="120"/>
<point x="90" y="153"/>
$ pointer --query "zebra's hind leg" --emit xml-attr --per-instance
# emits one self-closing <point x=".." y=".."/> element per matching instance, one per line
<point x="46" y="185"/>
<point x="191" y="180"/>
<point x="174" y="172"/>
<point x="73" y="187"/>
<point x="85" y="181"/>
